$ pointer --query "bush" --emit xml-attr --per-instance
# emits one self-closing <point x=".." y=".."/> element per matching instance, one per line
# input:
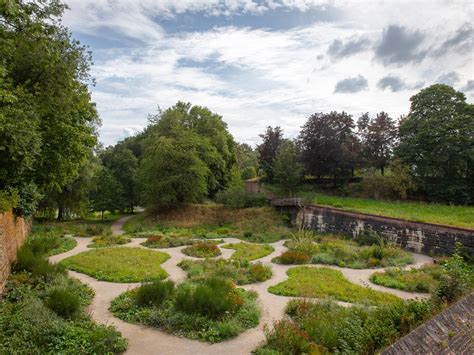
<point x="8" y="199"/>
<point x="155" y="293"/>
<point x="260" y="272"/>
<point x="108" y="240"/>
<point x="202" y="250"/>
<point x="287" y="338"/>
<point x="27" y="260"/>
<point x="214" y="298"/>
<point x="291" y="257"/>
<point x="367" y="237"/>
<point x="237" y="197"/>
<point x="63" y="303"/>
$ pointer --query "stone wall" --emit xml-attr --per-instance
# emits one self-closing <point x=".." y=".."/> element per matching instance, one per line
<point x="450" y="332"/>
<point x="13" y="232"/>
<point x="417" y="237"/>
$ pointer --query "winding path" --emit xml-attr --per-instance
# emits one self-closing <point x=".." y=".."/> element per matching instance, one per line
<point x="147" y="340"/>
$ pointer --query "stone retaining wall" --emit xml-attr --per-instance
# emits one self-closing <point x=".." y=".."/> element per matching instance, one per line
<point x="13" y="232"/>
<point x="418" y="237"/>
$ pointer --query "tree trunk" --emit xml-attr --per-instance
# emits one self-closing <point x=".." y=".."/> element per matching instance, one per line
<point x="382" y="170"/>
<point x="102" y="215"/>
<point x="60" y="212"/>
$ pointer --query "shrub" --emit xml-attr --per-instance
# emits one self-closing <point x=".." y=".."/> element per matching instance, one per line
<point x="214" y="298"/>
<point x="107" y="240"/>
<point x="154" y="293"/>
<point x="367" y="237"/>
<point x="202" y="250"/>
<point x="27" y="260"/>
<point x="63" y="303"/>
<point x="238" y="197"/>
<point x="260" y="272"/>
<point x="8" y="199"/>
<point x="287" y="338"/>
<point x="291" y="257"/>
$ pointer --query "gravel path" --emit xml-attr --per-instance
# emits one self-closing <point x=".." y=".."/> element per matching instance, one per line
<point x="147" y="340"/>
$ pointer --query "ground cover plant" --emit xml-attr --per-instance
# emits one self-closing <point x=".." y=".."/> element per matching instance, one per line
<point x="326" y="327"/>
<point x="240" y="272"/>
<point x="423" y="279"/>
<point x="452" y="215"/>
<point x="119" y="264"/>
<point x="42" y="312"/>
<point x="322" y="282"/>
<point x="109" y="240"/>
<point x="173" y="239"/>
<point x="50" y="243"/>
<point x="211" y="310"/>
<point x="332" y="250"/>
<point x="249" y="251"/>
<point x="202" y="250"/>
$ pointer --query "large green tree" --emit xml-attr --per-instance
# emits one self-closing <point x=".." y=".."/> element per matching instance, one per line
<point x="48" y="108"/>
<point x="184" y="146"/>
<point x="267" y="150"/>
<point x="437" y="142"/>
<point x="287" y="169"/>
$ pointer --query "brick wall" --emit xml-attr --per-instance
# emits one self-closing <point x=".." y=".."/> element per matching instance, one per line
<point x="13" y="231"/>
<point x="417" y="237"/>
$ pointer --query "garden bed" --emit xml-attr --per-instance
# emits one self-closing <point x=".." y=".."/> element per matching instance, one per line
<point x="108" y="240"/>
<point x="322" y="282"/>
<point x="210" y="311"/>
<point x="249" y="251"/>
<point x="202" y="250"/>
<point x="119" y="264"/>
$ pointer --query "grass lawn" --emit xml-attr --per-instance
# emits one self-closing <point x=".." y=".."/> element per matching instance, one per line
<point x="249" y="251"/>
<point x="459" y="216"/>
<point x="321" y="282"/>
<point x="119" y="264"/>
<point x="108" y="240"/>
<point x="424" y="279"/>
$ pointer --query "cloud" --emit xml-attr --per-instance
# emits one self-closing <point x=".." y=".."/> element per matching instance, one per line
<point x="400" y="46"/>
<point x="461" y="41"/>
<point x="394" y="83"/>
<point x="338" y="49"/>
<point x="450" y="78"/>
<point x="469" y="86"/>
<point x="351" y="85"/>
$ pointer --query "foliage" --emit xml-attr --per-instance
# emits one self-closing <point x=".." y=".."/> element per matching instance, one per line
<point x="202" y="250"/>
<point x="108" y="240"/>
<point x="436" y="141"/>
<point x="286" y="168"/>
<point x="267" y="150"/>
<point x="344" y="253"/>
<point x="170" y="240"/>
<point x="321" y="282"/>
<point x="249" y="251"/>
<point x="456" y="280"/>
<point x="107" y="195"/>
<point x="8" y="199"/>
<point x="35" y="263"/>
<point x="378" y="137"/>
<point x="322" y="328"/>
<point x="238" y="197"/>
<point x="119" y="264"/>
<point x="247" y="161"/>
<point x="154" y="293"/>
<point x="239" y="272"/>
<point x="193" y="325"/>
<point x="461" y="216"/>
<point x="48" y="122"/>
<point x="424" y="279"/>
<point x="50" y="244"/>
<point x="327" y="144"/>
<point x="63" y="303"/>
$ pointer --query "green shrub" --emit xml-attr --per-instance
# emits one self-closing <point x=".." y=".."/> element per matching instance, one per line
<point x="238" y="197"/>
<point x="27" y="260"/>
<point x="367" y="238"/>
<point x="287" y="338"/>
<point x="108" y="240"/>
<point x="63" y="303"/>
<point x="202" y="250"/>
<point x="154" y="293"/>
<point x="293" y="257"/>
<point x="239" y="272"/>
<point x="8" y="199"/>
<point x="213" y="298"/>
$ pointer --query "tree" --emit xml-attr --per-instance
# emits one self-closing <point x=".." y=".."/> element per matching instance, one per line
<point x="437" y="142"/>
<point x="123" y="164"/>
<point x="107" y="194"/>
<point x="247" y="161"/>
<point x="208" y="137"/>
<point x="287" y="170"/>
<point x="49" y="109"/>
<point x="328" y="145"/>
<point x="267" y="150"/>
<point x="378" y="137"/>
<point x="171" y="173"/>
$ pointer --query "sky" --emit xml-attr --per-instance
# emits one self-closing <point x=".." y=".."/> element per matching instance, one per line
<point x="270" y="62"/>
